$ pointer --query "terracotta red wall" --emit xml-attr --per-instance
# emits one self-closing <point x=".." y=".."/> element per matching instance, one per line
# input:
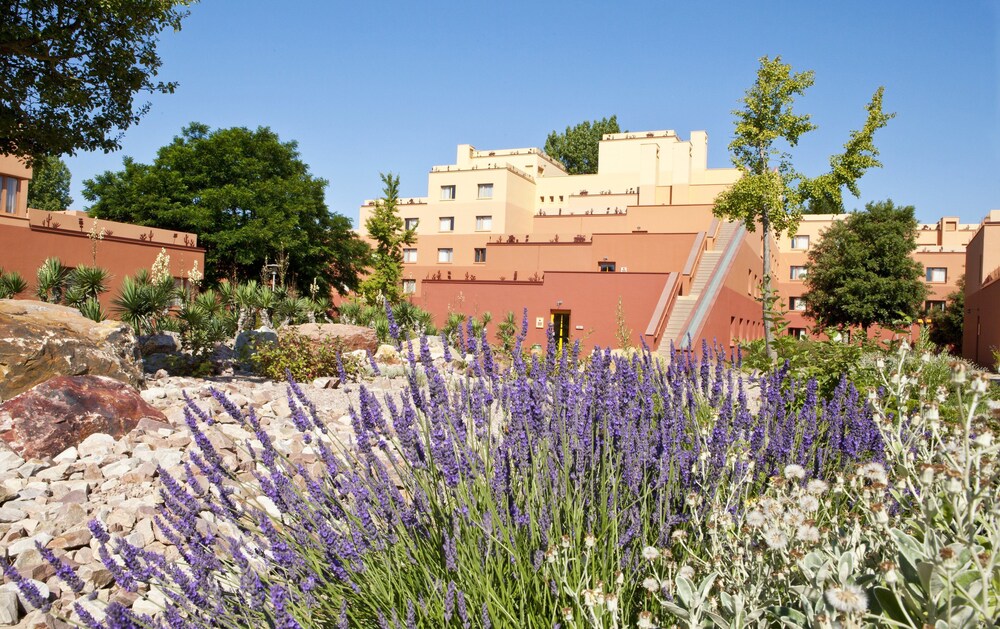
<point x="736" y="314"/>
<point x="24" y="249"/>
<point x="591" y="298"/>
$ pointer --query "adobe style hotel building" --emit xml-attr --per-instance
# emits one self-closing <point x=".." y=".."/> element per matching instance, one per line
<point x="502" y="230"/>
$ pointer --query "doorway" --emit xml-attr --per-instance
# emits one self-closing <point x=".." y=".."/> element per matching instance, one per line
<point x="560" y="327"/>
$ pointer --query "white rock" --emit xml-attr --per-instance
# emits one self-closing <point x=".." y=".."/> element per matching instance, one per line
<point x="69" y="455"/>
<point x="9" y="612"/>
<point x="9" y="515"/>
<point x="19" y="546"/>
<point x="152" y="394"/>
<point x="97" y="444"/>
<point x="9" y="460"/>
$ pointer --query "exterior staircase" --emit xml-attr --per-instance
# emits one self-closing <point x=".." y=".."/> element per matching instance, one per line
<point x="684" y="306"/>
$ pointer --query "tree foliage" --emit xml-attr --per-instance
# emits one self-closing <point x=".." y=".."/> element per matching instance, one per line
<point x="49" y="187"/>
<point x="947" y="324"/>
<point x="250" y="199"/>
<point x="71" y="70"/>
<point x="861" y="272"/>
<point x="577" y="147"/>
<point x="386" y="228"/>
<point x="771" y="191"/>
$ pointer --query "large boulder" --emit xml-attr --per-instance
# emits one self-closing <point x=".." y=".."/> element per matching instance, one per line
<point x="62" y="412"/>
<point x="39" y="341"/>
<point x="350" y="337"/>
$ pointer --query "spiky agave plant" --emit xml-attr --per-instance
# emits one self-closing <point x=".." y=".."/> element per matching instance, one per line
<point x="85" y="283"/>
<point x="91" y="308"/>
<point x="11" y="284"/>
<point x="52" y="277"/>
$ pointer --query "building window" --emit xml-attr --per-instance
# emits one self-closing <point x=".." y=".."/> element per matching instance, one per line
<point x="798" y="272"/>
<point x="444" y="255"/>
<point x="799" y="333"/>
<point x="932" y="305"/>
<point x="10" y="189"/>
<point x="480" y="254"/>
<point x="937" y="274"/>
<point x="409" y="255"/>
<point x="409" y="287"/>
<point x="484" y="223"/>
<point x="606" y="267"/>
<point x="447" y="224"/>
<point x="485" y="191"/>
<point x="447" y="193"/>
<point x="800" y="242"/>
<point x="796" y="303"/>
<point x="411" y="223"/>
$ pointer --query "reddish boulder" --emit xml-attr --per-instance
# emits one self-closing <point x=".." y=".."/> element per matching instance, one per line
<point x="350" y="337"/>
<point x="65" y="410"/>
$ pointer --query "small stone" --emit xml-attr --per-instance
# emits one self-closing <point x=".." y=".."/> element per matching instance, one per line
<point x="9" y="460"/>
<point x="70" y="540"/>
<point x="56" y="472"/>
<point x="27" y="543"/>
<point x="8" y="515"/>
<point x="69" y="455"/>
<point x="97" y="444"/>
<point x="9" y="610"/>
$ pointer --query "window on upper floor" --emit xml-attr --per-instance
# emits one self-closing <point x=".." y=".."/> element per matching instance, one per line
<point x="797" y="272"/>
<point x="409" y="287"/>
<point x="484" y="223"/>
<point x="447" y="193"/>
<point x="796" y="303"/>
<point x="444" y="255"/>
<point x="485" y="191"/>
<point x="799" y="333"/>
<point x="447" y="224"/>
<point x="409" y="255"/>
<point x="480" y="254"/>
<point x="933" y="304"/>
<point x="937" y="274"/>
<point x="606" y="267"/>
<point x="411" y="223"/>
<point x="800" y="242"/>
<point x="11" y="187"/>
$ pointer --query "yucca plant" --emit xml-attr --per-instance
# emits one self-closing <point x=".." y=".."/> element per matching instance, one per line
<point x="91" y="308"/>
<point x="143" y="304"/>
<point x="84" y="283"/>
<point x="11" y="284"/>
<point x="52" y="277"/>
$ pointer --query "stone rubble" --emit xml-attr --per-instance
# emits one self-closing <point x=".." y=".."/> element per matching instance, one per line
<point x="50" y="501"/>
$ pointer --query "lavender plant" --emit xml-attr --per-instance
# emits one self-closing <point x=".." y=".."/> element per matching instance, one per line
<point x="495" y="498"/>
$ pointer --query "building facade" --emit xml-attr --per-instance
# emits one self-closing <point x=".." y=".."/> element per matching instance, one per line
<point x="504" y="230"/>
<point x="29" y="236"/>
<point x="981" y="334"/>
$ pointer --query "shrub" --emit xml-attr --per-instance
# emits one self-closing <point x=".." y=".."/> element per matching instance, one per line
<point x="302" y="358"/>
<point x="11" y="284"/>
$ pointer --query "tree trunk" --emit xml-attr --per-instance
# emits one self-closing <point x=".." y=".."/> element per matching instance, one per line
<point x="767" y="302"/>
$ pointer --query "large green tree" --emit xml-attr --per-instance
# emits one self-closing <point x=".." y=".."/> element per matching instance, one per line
<point x="861" y="272"/>
<point x="386" y="228"/>
<point x="70" y="71"/>
<point x="249" y="198"/>
<point x="577" y="147"/>
<point x="49" y="187"/>
<point x="770" y="191"/>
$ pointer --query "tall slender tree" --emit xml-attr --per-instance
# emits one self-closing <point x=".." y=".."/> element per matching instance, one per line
<point x="386" y="228"/>
<point x="771" y="192"/>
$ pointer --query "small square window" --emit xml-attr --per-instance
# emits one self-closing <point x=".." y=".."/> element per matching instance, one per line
<point x="485" y="191"/>
<point x="800" y="242"/>
<point x="409" y="287"/>
<point x="444" y="255"/>
<point x="447" y="193"/>
<point x="798" y="272"/>
<point x="409" y="255"/>
<point x="411" y="223"/>
<point x="937" y="274"/>
<point x="484" y="223"/>
<point x="799" y="333"/>
<point x="480" y="254"/>
<point x="796" y="303"/>
<point x="606" y="267"/>
<point x="447" y="224"/>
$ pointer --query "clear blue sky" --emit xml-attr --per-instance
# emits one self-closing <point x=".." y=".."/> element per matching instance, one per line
<point x="365" y="87"/>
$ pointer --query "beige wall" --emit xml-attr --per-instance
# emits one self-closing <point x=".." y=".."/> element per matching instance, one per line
<point x="982" y="294"/>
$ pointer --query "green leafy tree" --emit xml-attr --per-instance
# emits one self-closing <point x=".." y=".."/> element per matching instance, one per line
<point x="386" y="228"/>
<point x="947" y="324"/>
<point x="249" y="198"/>
<point x="49" y="188"/>
<point x="771" y="192"/>
<point x="71" y="70"/>
<point x="577" y="147"/>
<point x="861" y="273"/>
